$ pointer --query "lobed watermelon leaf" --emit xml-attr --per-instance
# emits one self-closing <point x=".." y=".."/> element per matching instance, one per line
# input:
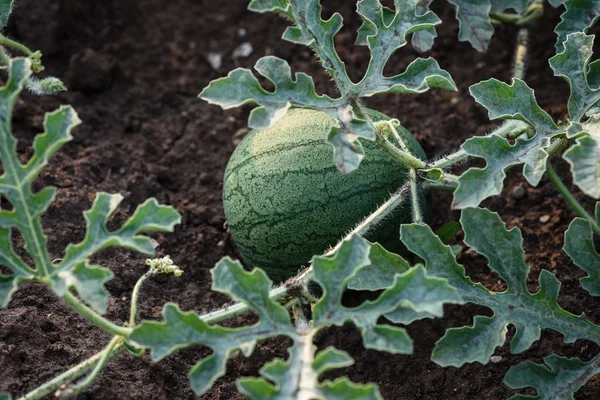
<point x="74" y="272"/>
<point x="380" y="271"/>
<point x="474" y="22"/>
<point x="6" y="8"/>
<point x="574" y="65"/>
<point x="516" y="101"/>
<point x="298" y="377"/>
<point x="579" y="245"/>
<point x="383" y="30"/>
<point x="528" y="312"/>
<point x="579" y="16"/>
<point x="560" y="379"/>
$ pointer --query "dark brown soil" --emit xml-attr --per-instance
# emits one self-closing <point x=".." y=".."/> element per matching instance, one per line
<point x="134" y="69"/>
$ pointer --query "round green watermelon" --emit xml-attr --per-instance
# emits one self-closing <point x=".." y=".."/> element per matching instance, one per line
<point x="286" y="201"/>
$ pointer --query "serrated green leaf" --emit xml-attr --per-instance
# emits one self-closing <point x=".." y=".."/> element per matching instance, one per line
<point x="148" y="217"/>
<point x="423" y="40"/>
<point x="411" y="290"/>
<point x="528" y="312"/>
<point x="579" y="245"/>
<point x="420" y="76"/>
<point x="471" y="344"/>
<point x="559" y="380"/>
<point x="88" y="281"/>
<point x="15" y="183"/>
<point x="584" y="158"/>
<point x="474" y="22"/>
<point x="515" y="101"/>
<point x="183" y="329"/>
<point x="430" y="293"/>
<point x="344" y="389"/>
<point x="241" y="87"/>
<point x="298" y="377"/>
<point x="579" y="16"/>
<point x="331" y="358"/>
<point x="295" y="379"/>
<point x="8" y="284"/>
<point x="9" y="258"/>
<point x="74" y="271"/>
<point x="57" y="132"/>
<point x="384" y="30"/>
<point x="573" y="65"/>
<point x="593" y="77"/>
<point x="381" y="270"/>
<point x="6" y="8"/>
<point x="5" y="396"/>
<point x="384" y="37"/>
<point x="310" y="30"/>
<point x="269" y="6"/>
<point x="28" y="207"/>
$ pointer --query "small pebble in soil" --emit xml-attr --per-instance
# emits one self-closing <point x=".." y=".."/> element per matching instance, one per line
<point x="495" y="359"/>
<point x="215" y="60"/>
<point x="519" y="192"/>
<point x="544" y="219"/>
<point x="221" y="244"/>
<point x="243" y="50"/>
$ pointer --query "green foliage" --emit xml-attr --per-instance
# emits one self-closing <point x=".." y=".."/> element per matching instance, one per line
<point x="474" y="21"/>
<point x="579" y="16"/>
<point x="574" y="65"/>
<point x="579" y="245"/>
<point x="528" y="312"/>
<point x="6" y="8"/>
<point x="74" y="272"/>
<point x="380" y="273"/>
<point x="515" y="101"/>
<point x="412" y="291"/>
<point x="405" y="293"/>
<point x="559" y="380"/>
<point x="383" y="31"/>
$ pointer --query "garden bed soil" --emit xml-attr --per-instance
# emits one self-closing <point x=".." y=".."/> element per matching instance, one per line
<point x="134" y="69"/>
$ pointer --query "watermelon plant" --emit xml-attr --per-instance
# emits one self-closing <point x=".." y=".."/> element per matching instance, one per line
<point x="315" y="184"/>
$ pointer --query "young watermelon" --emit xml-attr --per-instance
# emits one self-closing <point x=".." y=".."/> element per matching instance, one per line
<point x="285" y="200"/>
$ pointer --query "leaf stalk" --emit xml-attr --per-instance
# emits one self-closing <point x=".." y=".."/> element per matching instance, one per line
<point x="570" y="199"/>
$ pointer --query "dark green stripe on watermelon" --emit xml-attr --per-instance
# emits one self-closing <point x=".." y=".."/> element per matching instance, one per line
<point x="285" y="200"/>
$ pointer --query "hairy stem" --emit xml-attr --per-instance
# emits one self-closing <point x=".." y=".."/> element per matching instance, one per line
<point x="95" y="318"/>
<point x="414" y="195"/>
<point x="508" y="129"/>
<point x="4" y="41"/>
<point x="568" y="196"/>
<point x="134" y="299"/>
<point x="385" y="128"/>
<point x="98" y="368"/>
<point x="77" y="371"/>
